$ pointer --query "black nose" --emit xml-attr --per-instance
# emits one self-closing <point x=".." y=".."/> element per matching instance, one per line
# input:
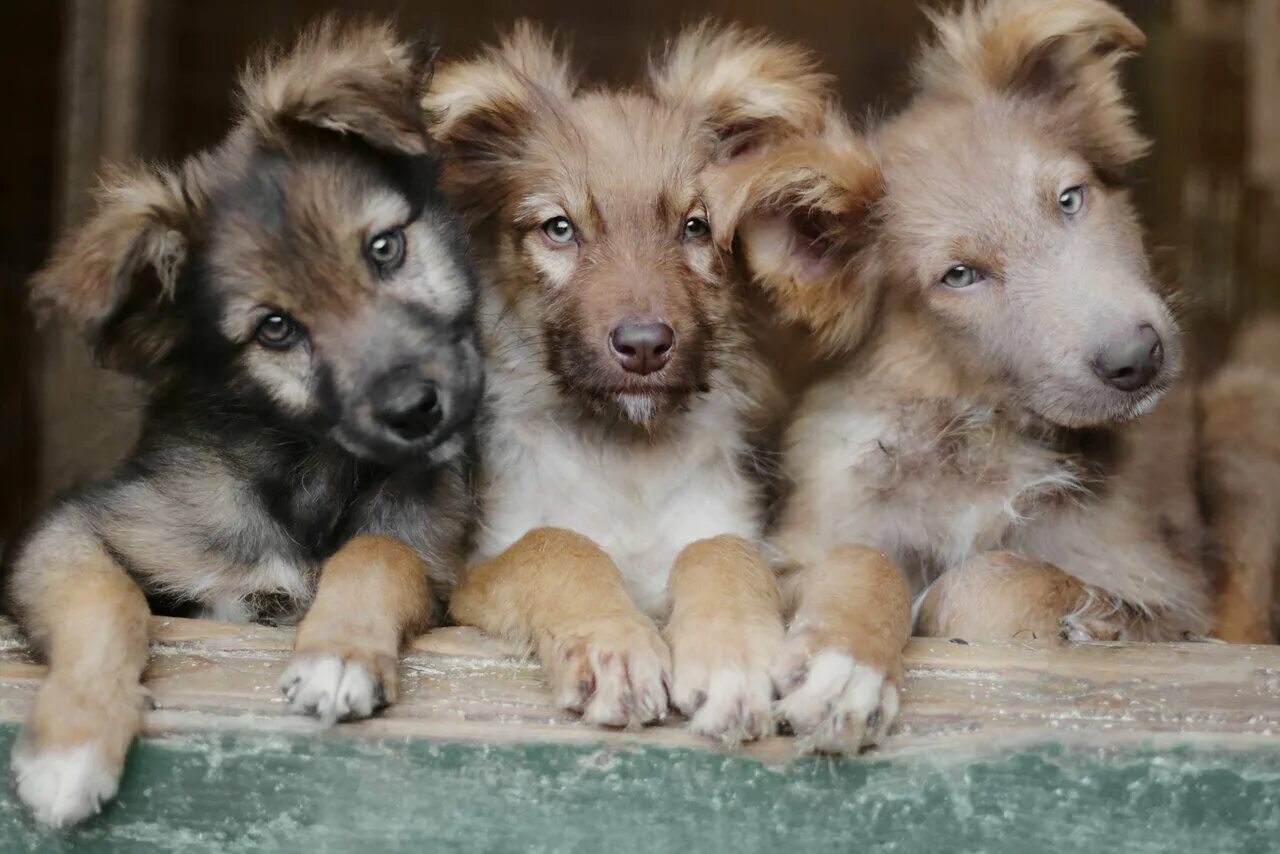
<point x="408" y="406"/>
<point x="1132" y="364"/>
<point x="640" y="347"/>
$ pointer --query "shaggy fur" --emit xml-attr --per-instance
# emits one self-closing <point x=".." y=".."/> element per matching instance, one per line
<point x="289" y="451"/>
<point x="620" y="477"/>
<point x="965" y="416"/>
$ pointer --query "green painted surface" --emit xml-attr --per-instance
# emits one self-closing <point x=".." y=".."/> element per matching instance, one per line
<point x="254" y="793"/>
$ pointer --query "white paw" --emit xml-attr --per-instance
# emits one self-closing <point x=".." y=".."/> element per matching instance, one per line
<point x="837" y="705"/>
<point x="615" y="677"/>
<point x="66" y="786"/>
<point x="732" y="704"/>
<point x="331" y="688"/>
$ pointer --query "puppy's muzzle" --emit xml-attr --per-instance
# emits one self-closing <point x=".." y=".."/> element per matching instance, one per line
<point x="408" y="406"/>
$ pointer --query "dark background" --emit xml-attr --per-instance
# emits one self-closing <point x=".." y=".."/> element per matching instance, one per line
<point x="88" y="80"/>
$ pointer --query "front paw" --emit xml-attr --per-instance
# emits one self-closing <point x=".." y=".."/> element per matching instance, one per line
<point x="614" y="671"/>
<point x="68" y="760"/>
<point x="336" y="687"/>
<point x="723" y="685"/>
<point x="831" y="701"/>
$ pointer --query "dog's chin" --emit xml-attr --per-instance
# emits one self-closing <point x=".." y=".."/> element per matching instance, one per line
<point x="1092" y="405"/>
<point x="381" y="450"/>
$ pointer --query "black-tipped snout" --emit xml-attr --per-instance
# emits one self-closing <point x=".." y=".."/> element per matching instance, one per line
<point x="1133" y="362"/>
<point x="642" y="347"/>
<point x="407" y="405"/>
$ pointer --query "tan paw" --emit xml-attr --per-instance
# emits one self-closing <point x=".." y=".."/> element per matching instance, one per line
<point x="1098" y="619"/>
<point x="338" y="686"/>
<point x="68" y="760"/>
<point x="615" y="672"/>
<point x="830" y="700"/>
<point x="722" y="683"/>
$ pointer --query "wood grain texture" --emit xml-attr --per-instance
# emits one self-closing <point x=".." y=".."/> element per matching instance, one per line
<point x="459" y="686"/>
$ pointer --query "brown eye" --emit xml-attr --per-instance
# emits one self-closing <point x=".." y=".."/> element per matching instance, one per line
<point x="695" y="227"/>
<point x="386" y="250"/>
<point x="278" y="332"/>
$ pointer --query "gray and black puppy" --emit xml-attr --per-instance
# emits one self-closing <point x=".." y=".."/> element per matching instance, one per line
<point x="299" y="303"/>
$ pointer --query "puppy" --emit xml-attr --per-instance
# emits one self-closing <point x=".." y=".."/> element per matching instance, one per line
<point x="299" y="305"/>
<point x="616" y="486"/>
<point x="977" y="273"/>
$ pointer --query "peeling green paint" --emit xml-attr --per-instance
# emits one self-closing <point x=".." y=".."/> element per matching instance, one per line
<point x="249" y="793"/>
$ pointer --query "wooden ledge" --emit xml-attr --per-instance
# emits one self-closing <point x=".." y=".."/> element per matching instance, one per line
<point x="459" y="686"/>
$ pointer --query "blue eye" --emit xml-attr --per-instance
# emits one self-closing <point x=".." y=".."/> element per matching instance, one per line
<point x="1071" y="200"/>
<point x="386" y="250"/>
<point x="695" y="227"/>
<point x="960" y="276"/>
<point x="559" y="230"/>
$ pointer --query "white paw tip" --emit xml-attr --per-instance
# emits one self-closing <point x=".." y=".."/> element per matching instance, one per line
<point x="330" y="688"/>
<point x="63" y="787"/>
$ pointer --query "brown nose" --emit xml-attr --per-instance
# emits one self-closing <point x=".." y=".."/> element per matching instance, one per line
<point x="641" y="347"/>
<point x="1132" y="364"/>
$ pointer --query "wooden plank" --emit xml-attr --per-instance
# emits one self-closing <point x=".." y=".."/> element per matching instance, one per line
<point x="459" y="686"/>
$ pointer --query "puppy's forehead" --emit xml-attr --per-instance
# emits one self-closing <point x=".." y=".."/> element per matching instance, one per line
<point x="290" y="231"/>
<point x="626" y="147"/>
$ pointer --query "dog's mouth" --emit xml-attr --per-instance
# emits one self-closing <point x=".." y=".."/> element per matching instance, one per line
<point x="1095" y="406"/>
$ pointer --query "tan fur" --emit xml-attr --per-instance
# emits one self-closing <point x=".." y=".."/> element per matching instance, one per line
<point x="373" y="595"/>
<point x="1240" y="470"/>
<point x="725" y="624"/>
<point x="560" y="593"/>
<point x="639" y="468"/>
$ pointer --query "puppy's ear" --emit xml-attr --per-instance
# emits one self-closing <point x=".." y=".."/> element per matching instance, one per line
<point x="1063" y="55"/>
<point x="358" y="80"/>
<point x="804" y="218"/>
<point x="114" y="277"/>
<point x="484" y="109"/>
<point x="748" y="88"/>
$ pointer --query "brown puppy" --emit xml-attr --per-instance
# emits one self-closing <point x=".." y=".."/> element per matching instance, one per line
<point x="979" y="276"/>
<point x="616" y="486"/>
<point x="300" y="306"/>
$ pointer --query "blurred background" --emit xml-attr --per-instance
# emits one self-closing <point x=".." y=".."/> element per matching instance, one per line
<point x="94" y="80"/>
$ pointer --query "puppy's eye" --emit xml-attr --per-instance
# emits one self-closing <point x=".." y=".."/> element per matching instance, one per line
<point x="278" y="332"/>
<point x="386" y="250"/>
<point x="696" y="227"/>
<point x="1071" y="200"/>
<point x="961" y="276"/>
<point x="559" y="230"/>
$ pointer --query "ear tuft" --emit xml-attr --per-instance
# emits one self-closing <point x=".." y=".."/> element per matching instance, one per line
<point x="112" y="276"/>
<point x="749" y="88"/>
<point x="483" y="110"/>
<point x="1063" y="54"/>
<point x="359" y="79"/>
<point x="805" y="215"/>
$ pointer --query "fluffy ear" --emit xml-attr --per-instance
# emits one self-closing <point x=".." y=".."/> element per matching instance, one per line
<point x="358" y="80"/>
<point x="1064" y="54"/>
<point x="113" y="277"/>
<point x="483" y="111"/>
<point x="748" y="88"/>
<point x="804" y="217"/>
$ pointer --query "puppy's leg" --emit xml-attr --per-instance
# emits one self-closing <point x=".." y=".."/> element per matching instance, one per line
<point x="1003" y="596"/>
<point x="372" y="595"/>
<point x="559" y="592"/>
<point x="839" y="669"/>
<point x="725" y="628"/>
<point x="90" y="621"/>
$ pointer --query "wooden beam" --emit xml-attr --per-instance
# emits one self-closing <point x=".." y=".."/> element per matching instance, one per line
<point x="459" y="686"/>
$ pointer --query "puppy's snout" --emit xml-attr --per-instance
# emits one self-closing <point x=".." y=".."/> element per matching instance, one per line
<point x="408" y="405"/>
<point x="1133" y="363"/>
<point x="642" y="347"/>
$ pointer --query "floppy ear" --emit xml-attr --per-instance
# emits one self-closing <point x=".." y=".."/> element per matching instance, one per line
<point x="803" y="216"/>
<point x="484" y="109"/>
<point x="358" y="80"/>
<point x="748" y="88"/>
<point x="1062" y="54"/>
<point x="114" y="276"/>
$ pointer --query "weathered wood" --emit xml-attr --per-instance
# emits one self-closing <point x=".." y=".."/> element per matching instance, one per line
<point x="457" y="685"/>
